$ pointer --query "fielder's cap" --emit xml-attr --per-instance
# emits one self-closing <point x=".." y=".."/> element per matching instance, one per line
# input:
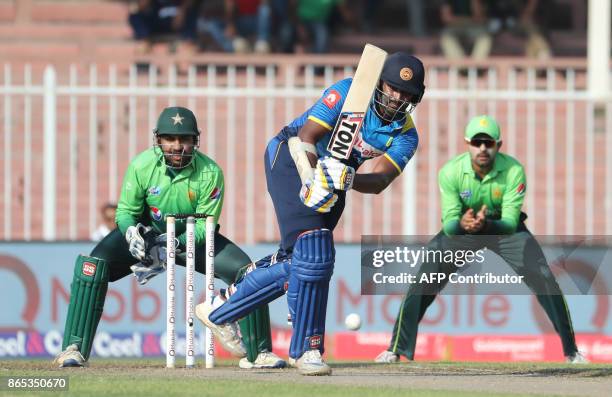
<point x="405" y="73"/>
<point x="177" y="120"/>
<point x="483" y="124"/>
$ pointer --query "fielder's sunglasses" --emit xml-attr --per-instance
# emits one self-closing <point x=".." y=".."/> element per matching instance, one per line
<point x="489" y="143"/>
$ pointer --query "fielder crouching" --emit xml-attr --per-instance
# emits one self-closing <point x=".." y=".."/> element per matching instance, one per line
<point x="482" y="193"/>
<point x="171" y="177"/>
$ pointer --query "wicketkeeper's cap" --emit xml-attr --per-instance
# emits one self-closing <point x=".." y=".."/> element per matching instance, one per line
<point x="177" y="120"/>
<point x="483" y="124"/>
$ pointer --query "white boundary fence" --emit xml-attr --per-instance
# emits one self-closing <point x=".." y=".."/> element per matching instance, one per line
<point x="69" y="132"/>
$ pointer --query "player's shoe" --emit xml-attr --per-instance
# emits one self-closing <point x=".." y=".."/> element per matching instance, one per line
<point x="387" y="357"/>
<point x="577" y="358"/>
<point x="71" y="357"/>
<point x="291" y="362"/>
<point x="227" y="334"/>
<point x="311" y="364"/>
<point x="263" y="360"/>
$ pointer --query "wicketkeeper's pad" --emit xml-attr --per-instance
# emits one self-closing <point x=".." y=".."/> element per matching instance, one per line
<point x="87" y="294"/>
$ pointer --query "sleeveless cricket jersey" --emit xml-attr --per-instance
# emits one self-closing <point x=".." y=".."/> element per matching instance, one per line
<point x="150" y="191"/>
<point x="502" y="190"/>
<point x="396" y="141"/>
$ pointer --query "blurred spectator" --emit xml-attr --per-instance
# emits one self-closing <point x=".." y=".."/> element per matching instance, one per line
<point x="464" y="20"/>
<point x="212" y="22"/>
<point x="231" y="23"/>
<point x="283" y="11"/>
<point x="153" y="19"/>
<point x="416" y="16"/>
<point x="369" y="10"/>
<point x="311" y="20"/>
<point x="247" y="18"/>
<point x="107" y="213"/>
<point x="519" y="17"/>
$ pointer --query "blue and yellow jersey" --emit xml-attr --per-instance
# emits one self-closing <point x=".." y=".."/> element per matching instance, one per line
<point x="396" y="141"/>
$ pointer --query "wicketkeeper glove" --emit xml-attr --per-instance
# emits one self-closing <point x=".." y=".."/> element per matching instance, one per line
<point x="134" y="237"/>
<point x="155" y="258"/>
<point x="144" y="272"/>
<point x="332" y="174"/>
<point x="317" y="197"/>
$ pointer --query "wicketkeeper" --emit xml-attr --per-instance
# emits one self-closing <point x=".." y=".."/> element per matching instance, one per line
<point x="482" y="192"/>
<point x="171" y="177"/>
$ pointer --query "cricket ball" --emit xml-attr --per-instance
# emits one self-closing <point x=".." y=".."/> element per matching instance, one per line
<point x="353" y="321"/>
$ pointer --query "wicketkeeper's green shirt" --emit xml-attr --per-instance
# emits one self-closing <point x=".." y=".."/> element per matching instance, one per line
<point x="502" y="190"/>
<point x="151" y="190"/>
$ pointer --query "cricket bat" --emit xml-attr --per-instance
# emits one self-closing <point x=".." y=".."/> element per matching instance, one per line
<point x="357" y="101"/>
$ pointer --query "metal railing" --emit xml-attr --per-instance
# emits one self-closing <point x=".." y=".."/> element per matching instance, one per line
<point x="69" y="133"/>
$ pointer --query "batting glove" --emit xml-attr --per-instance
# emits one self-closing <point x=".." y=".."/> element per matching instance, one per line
<point x="317" y="197"/>
<point x="332" y="174"/>
<point x="134" y="237"/>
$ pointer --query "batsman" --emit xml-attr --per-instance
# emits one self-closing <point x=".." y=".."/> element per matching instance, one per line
<point x="171" y="177"/>
<point x="482" y="193"/>
<point x="308" y="189"/>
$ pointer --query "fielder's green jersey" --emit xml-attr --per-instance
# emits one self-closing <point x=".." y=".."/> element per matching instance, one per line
<point x="502" y="190"/>
<point x="151" y="190"/>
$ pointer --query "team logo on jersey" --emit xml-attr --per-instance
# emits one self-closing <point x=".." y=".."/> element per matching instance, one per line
<point x="521" y="189"/>
<point x="216" y="192"/>
<point x="497" y="193"/>
<point x="89" y="269"/>
<point x="191" y="194"/>
<point x="406" y="74"/>
<point x="466" y="194"/>
<point x="332" y="98"/>
<point x="156" y="213"/>
<point x="154" y="190"/>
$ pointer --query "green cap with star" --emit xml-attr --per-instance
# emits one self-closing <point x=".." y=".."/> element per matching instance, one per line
<point x="482" y="124"/>
<point x="176" y="120"/>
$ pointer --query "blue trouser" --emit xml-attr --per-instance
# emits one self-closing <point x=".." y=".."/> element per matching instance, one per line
<point x="305" y="271"/>
<point x="284" y="186"/>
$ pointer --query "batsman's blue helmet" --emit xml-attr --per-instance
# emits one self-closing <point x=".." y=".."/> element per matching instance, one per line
<point x="405" y="73"/>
